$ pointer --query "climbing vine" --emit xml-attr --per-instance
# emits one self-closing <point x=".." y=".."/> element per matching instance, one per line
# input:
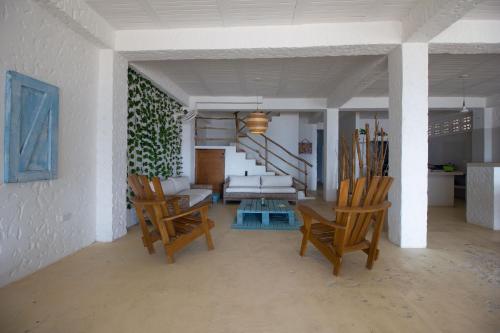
<point x="154" y="130"/>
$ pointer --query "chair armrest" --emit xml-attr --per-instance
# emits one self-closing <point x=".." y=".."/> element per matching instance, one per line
<point x="305" y="210"/>
<point x="362" y="210"/>
<point x="156" y="202"/>
<point x="201" y="186"/>
<point x="188" y="211"/>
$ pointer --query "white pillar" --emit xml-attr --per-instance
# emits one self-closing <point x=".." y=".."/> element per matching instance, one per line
<point x="488" y="135"/>
<point x="111" y="141"/>
<point x="188" y="150"/>
<point x="482" y="135"/>
<point x="330" y="154"/>
<point x="408" y="119"/>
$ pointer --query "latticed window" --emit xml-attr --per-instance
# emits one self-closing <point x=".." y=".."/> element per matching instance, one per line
<point x="457" y="123"/>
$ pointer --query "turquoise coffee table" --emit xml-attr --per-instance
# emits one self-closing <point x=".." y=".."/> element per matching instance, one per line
<point x="274" y="214"/>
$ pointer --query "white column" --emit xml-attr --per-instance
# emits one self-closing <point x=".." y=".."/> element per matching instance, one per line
<point x="488" y="135"/>
<point x="111" y="141"/>
<point x="330" y="154"/>
<point x="188" y="150"/>
<point x="482" y="135"/>
<point x="408" y="119"/>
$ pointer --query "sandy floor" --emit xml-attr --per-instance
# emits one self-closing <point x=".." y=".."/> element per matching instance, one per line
<point x="255" y="281"/>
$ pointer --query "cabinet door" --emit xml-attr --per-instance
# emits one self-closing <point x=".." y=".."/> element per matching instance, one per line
<point x="210" y="168"/>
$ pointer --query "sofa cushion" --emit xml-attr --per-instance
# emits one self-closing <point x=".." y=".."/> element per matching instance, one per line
<point x="275" y="181"/>
<point x="168" y="186"/>
<point x="244" y="181"/>
<point x="277" y="189"/>
<point x="181" y="183"/>
<point x="246" y="189"/>
<point x="196" y="195"/>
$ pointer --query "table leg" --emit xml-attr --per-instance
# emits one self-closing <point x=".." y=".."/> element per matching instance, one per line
<point x="265" y="218"/>
<point x="291" y="218"/>
<point x="239" y="217"/>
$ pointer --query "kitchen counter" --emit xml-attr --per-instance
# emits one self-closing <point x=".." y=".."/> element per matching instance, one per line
<point x="483" y="194"/>
<point x="441" y="187"/>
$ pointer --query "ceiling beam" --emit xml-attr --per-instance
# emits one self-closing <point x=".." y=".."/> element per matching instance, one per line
<point x="493" y="101"/>
<point x="82" y="19"/>
<point x="443" y="103"/>
<point x="246" y="103"/>
<point x="308" y="40"/>
<point x="430" y="17"/>
<point x="468" y="37"/>
<point x="363" y="77"/>
<point x="162" y="82"/>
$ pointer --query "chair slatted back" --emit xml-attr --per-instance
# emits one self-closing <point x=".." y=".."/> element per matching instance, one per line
<point x="141" y="186"/>
<point x="357" y="224"/>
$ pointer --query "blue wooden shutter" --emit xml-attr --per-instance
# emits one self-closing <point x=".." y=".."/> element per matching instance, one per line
<point x="31" y="124"/>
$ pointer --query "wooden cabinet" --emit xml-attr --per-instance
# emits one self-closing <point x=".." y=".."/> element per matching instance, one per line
<point x="210" y="168"/>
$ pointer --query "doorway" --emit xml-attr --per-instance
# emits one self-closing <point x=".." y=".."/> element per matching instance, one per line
<point x="319" y="154"/>
<point x="210" y="168"/>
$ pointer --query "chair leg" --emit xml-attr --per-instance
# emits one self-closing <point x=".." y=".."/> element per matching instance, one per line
<point x="210" y="243"/>
<point x="307" y="233"/>
<point x="303" y="246"/>
<point x="337" y="264"/>
<point x="206" y="229"/>
<point x="170" y="255"/>
<point x="372" y="256"/>
<point x="146" y="236"/>
<point x="148" y="245"/>
<point x="373" y="252"/>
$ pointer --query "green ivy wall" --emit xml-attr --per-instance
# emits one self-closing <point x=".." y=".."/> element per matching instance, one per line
<point x="154" y="129"/>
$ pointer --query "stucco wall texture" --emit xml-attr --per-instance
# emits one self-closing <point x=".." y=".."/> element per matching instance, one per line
<point x="43" y="221"/>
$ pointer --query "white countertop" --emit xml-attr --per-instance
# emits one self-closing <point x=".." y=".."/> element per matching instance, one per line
<point x="486" y="165"/>
<point x="444" y="173"/>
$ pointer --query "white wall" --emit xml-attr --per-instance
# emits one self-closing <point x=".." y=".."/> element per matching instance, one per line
<point x="455" y="149"/>
<point x="236" y="163"/>
<point x="217" y="134"/>
<point x="495" y="135"/>
<point x="111" y="147"/>
<point x="43" y="221"/>
<point x="284" y="129"/>
<point x="309" y="132"/>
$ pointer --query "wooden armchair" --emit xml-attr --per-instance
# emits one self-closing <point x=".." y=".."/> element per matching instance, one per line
<point x="354" y="215"/>
<point x="174" y="227"/>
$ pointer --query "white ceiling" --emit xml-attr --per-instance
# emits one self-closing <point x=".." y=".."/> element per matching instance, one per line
<point x="444" y="70"/>
<point x="153" y="14"/>
<point x="289" y="77"/>
<point x="319" y="77"/>
<point x="486" y="10"/>
<point x="157" y="14"/>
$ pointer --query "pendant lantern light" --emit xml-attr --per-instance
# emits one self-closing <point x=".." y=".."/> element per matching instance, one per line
<point x="464" y="77"/>
<point x="257" y="121"/>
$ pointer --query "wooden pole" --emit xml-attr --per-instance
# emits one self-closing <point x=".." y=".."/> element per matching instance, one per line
<point x="305" y="181"/>
<point x="375" y="149"/>
<point x="266" y="152"/>
<point x="353" y="160"/>
<point x="358" y="150"/>
<point x="196" y="131"/>
<point x="367" y="151"/>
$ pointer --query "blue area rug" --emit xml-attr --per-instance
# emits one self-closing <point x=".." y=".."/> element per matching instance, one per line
<point x="251" y="222"/>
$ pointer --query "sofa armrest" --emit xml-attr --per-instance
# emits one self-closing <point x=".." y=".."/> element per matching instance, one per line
<point x="201" y="186"/>
<point x="296" y="185"/>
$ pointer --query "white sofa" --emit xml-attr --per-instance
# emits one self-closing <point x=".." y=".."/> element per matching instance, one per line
<point x="256" y="187"/>
<point x="193" y="193"/>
